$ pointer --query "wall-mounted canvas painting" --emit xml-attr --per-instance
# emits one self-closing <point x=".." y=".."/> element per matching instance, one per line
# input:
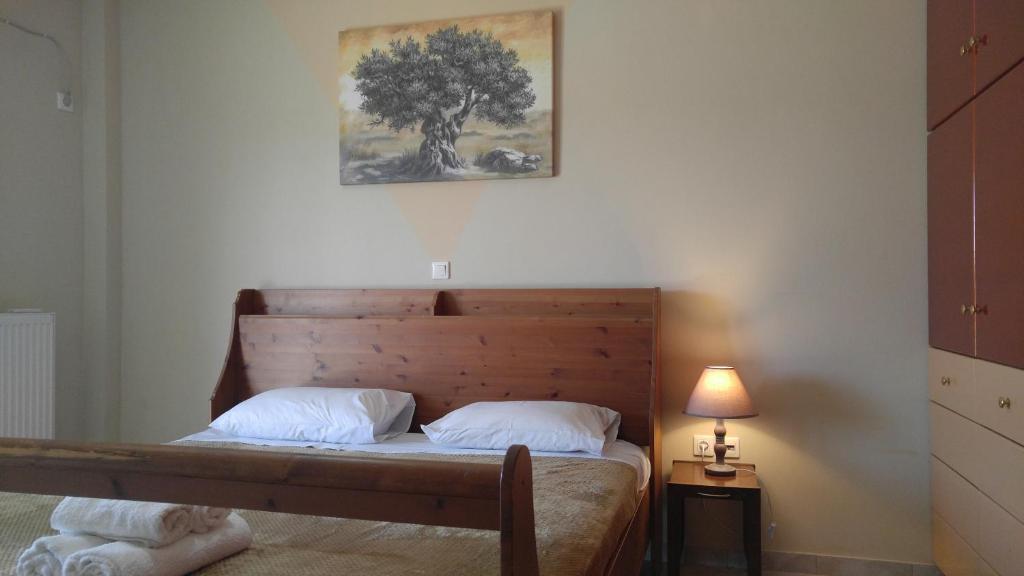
<point x="461" y="99"/>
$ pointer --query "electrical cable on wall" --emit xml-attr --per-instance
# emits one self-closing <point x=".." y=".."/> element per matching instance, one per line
<point x="64" y="99"/>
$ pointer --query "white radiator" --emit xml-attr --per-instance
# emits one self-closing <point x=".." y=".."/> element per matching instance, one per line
<point x="26" y="375"/>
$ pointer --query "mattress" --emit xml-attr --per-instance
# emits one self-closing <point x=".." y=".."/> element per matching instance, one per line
<point x="413" y="443"/>
<point x="582" y="507"/>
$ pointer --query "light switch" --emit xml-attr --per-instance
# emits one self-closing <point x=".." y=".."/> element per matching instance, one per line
<point x="441" y="270"/>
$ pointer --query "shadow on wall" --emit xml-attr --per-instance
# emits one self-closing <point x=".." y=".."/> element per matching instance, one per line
<point x="801" y="417"/>
<point x="696" y="330"/>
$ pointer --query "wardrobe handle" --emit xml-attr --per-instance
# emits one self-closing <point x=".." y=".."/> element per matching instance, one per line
<point x="966" y="309"/>
<point x="946" y="381"/>
<point x="1004" y="402"/>
<point x="973" y="45"/>
<point x="983" y="309"/>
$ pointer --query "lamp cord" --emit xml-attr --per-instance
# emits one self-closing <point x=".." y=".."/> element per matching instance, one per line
<point x="60" y="49"/>
<point x="768" y="498"/>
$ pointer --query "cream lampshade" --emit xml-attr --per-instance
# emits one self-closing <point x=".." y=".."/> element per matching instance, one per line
<point x="720" y="394"/>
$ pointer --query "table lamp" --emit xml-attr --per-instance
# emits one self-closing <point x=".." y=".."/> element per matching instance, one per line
<point x="720" y="394"/>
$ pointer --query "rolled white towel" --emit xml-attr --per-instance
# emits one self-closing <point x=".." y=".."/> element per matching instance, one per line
<point x="186" y="555"/>
<point x="206" y="518"/>
<point x="151" y="524"/>
<point x="46" y="556"/>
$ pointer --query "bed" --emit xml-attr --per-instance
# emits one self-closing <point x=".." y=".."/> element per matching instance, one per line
<point x="402" y="510"/>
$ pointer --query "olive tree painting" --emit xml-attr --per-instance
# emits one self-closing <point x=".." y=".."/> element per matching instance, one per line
<point x="457" y="99"/>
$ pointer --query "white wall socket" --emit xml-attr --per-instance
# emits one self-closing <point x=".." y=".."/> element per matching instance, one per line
<point x="440" y="270"/>
<point x="731" y="442"/>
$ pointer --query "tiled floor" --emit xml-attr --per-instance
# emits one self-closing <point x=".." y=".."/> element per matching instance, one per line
<point x="708" y="571"/>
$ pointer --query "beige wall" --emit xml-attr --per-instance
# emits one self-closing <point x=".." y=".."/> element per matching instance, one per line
<point x="101" y="180"/>
<point x="763" y="162"/>
<point x="41" y="186"/>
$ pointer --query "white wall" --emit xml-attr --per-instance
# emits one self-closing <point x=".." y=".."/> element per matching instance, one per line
<point x="763" y="162"/>
<point x="41" y="186"/>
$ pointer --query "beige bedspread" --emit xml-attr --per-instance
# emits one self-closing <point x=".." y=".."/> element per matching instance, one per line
<point x="582" y="507"/>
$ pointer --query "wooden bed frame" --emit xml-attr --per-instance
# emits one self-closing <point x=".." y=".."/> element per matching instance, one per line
<point x="449" y="349"/>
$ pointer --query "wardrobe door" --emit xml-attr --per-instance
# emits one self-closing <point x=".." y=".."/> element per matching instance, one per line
<point x="1000" y="26"/>
<point x="999" y="226"/>
<point x="950" y="236"/>
<point x="949" y="71"/>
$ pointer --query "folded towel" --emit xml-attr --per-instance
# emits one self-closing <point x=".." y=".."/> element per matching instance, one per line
<point x="206" y="518"/>
<point x="186" y="555"/>
<point x="46" y="556"/>
<point x="147" y="523"/>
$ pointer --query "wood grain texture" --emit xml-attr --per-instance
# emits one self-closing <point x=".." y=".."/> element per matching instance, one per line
<point x="951" y="234"/>
<point x="448" y="362"/>
<point x="596" y="346"/>
<point x="354" y="303"/>
<point x="950" y="74"/>
<point x="654" y="451"/>
<point x="629" y="302"/>
<point x="518" y="536"/>
<point x="1001" y="24"/>
<point x="226" y="393"/>
<point x="421" y="492"/>
<point x="999" y="220"/>
<point x="599" y="346"/>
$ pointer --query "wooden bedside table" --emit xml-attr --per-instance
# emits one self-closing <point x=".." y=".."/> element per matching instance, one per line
<point x="689" y="481"/>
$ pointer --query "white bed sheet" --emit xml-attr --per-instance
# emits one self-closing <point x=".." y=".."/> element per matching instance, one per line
<point x="410" y="443"/>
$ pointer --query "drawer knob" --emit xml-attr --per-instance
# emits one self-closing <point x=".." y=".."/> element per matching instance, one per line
<point x="946" y="381"/>
<point x="1004" y="402"/>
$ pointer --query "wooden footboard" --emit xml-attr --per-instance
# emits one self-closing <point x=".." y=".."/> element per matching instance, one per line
<point x="454" y="347"/>
<point x="461" y="495"/>
<point x="449" y="349"/>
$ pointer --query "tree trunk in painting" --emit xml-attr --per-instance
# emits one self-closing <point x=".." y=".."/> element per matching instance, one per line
<point x="437" y="153"/>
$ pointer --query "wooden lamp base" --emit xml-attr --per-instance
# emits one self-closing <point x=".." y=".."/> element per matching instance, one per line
<point x="720" y="468"/>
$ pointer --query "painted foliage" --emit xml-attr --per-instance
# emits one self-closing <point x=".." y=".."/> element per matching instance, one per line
<point x="460" y="99"/>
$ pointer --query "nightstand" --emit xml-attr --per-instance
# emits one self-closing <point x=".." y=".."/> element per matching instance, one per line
<point x="689" y="481"/>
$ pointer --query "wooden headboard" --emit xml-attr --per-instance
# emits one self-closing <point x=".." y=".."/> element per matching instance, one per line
<point x="452" y="348"/>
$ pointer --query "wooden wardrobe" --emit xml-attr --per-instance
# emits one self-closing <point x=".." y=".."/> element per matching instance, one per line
<point x="976" y="284"/>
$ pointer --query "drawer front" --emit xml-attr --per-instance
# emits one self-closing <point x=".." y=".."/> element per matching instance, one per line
<point x="992" y="463"/>
<point x="952" y="553"/>
<point x="1001" y="541"/>
<point x="956" y="501"/>
<point x="1001" y="474"/>
<point x="951" y="380"/>
<point x="992" y="383"/>
<point x="954" y="440"/>
<point x="975" y="520"/>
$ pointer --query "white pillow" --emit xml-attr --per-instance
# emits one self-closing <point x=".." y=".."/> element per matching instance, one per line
<point x="336" y="415"/>
<point x="543" y="426"/>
